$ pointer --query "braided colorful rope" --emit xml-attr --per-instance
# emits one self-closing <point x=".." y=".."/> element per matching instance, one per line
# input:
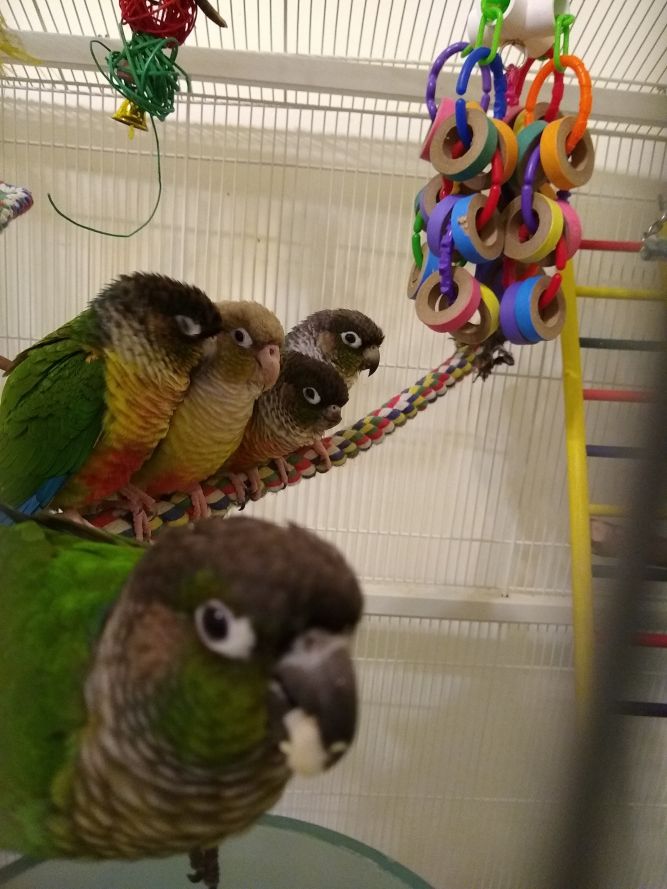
<point x="343" y="445"/>
<point x="14" y="200"/>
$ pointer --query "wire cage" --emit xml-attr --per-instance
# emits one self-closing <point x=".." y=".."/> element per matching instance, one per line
<point x="289" y="172"/>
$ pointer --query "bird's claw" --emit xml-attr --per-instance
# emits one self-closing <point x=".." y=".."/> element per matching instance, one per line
<point x="238" y="483"/>
<point x="320" y="448"/>
<point x="200" y="507"/>
<point x="206" y="867"/>
<point x="282" y="467"/>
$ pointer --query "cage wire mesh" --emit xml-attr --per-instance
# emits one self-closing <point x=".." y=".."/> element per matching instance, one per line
<point x="302" y="200"/>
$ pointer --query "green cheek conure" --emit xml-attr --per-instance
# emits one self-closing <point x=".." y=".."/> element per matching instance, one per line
<point x="157" y="699"/>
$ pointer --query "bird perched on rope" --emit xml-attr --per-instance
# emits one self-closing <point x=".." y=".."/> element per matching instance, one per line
<point x="345" y="338"/>
<point x="208" y="425"/>
<point x="304" y="403"/>
<point x="84" y="407"/>
<point x="157" y="699"/>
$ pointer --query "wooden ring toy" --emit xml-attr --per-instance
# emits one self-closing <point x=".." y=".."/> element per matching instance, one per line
<point x="548" y="231"/>
<point x="535" y="323"/>
<point x="508" y="323"/>
<point x="483" y="143"/>
<point x="428" y="197"/>
<point x="473" y="245"/>
<point x="418" y="275"/>
<point x="431" y="305"/>
<point x="566" y="172"/>
<point x="509" y="153"/>
<point x="473" y="333"/>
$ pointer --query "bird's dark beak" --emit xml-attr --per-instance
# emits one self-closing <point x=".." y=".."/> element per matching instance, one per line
<point x="316" y="683"/>
<point x="371" y="359"/>
<point x="332" y="415"/>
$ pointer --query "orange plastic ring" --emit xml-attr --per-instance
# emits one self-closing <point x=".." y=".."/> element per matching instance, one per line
<point x="565" y="171"/>
<point x="585" y="95"/>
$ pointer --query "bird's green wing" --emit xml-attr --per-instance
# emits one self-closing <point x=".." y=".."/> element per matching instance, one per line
<point x="51" y="415"/>
<point x="55" y="592"/>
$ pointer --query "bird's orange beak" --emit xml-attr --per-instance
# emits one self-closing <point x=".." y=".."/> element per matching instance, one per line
<point x="268" y="359"/>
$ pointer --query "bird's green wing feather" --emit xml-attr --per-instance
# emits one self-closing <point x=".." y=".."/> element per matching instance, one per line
<point x="51" y="415"/>
<point x="55" y="592"/>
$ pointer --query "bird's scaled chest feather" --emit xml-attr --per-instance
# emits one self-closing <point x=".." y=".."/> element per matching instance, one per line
<point x="139" y="406"/>
<point x="127" y="800"/>
<point x="206" y="428"/>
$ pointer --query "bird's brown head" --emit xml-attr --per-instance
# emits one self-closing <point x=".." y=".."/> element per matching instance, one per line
<point x="249" y="343"/>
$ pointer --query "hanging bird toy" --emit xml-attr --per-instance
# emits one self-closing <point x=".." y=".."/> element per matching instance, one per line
<point x="496" y="216"/>
<point x="145" y="72"/>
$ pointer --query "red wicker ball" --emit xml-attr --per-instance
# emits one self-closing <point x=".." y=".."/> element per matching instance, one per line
<point x="163" y="18"/>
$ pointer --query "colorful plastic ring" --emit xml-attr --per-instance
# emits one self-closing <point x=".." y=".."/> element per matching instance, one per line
<point x="445" y="109"/>
<point x="572" y="231"/>
<point x="566" y="172"/>
<point x="499" y="80"/>
<point x="438" y="220"/>
<point x="431" y="306"/>
<point x="509" y="153"/>
<point x="436" y="68"/>
<point x="483" y="143"/>
<point x="534" y="323"/>
<point x="548" y="231"/>
<point x="527" y="140"/>
<point x="418" y="275"/>
<point x="585" y="95"/>
<point x="473" y="333"/>
<point x="461" y="115"/>
<point x="474" y="246"/>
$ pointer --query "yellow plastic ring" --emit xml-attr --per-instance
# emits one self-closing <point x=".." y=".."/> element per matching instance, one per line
<point x="489" y="318"/>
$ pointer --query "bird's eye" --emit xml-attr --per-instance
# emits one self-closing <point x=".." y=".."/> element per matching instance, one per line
<point x="188" y="326"/>
<point x="311" y="395"/>
<point x="222" y="632"/>
<point x="351" y="338"/>
<point x="242" y="337"/>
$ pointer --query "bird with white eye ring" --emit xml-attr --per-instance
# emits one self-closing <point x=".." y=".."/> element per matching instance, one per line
<point x="345" y="338"/>
<point x="208" y="425"/>
<point x="305" y="402"/>
<point x="222" y="632"/>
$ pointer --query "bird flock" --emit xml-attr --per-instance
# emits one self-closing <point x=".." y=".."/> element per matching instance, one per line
<point x="153" y="388"/>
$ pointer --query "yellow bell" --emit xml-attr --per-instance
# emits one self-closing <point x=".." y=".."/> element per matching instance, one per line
<point x="131" y="115"/>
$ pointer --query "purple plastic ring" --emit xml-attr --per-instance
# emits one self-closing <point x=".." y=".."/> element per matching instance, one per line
<point x="437" y="67"/>
<point x="530" y="217"/>
<point x="438" y="220"/>
<point x="445" y="264"/>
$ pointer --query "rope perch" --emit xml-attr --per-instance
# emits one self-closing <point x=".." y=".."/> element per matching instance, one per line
<point x="305" y="463"/>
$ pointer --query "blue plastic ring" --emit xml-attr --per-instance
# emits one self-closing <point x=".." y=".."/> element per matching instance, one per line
<point x="499" y="79"/>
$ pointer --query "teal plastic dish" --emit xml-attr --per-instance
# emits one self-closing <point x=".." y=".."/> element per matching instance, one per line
<point x="279" y="853"/>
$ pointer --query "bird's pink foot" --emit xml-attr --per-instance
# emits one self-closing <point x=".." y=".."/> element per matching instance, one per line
<point x="238" y="483"/>
<point x="134" y="498"/>
<point x="200" y="507"/>
<point x="320" y="448"/>
<point x="283" y="468"/>
<point x="254" y="481"/>
<point x="142" y="506"/>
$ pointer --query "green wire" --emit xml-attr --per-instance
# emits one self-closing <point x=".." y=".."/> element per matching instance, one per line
<point x="100" y="231"/>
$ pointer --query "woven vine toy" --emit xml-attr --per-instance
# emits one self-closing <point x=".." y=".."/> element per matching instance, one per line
<point x="497" y="216"/>
<point x="145" y="71"/>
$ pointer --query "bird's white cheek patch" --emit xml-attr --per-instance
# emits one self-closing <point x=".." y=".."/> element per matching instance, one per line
<point x="303" y="749"/>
